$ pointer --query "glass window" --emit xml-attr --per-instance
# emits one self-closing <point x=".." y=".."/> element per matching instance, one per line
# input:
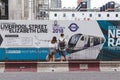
<point x="91" y="41"/>
<point x="55" y="15"/>
<point x="64" y="15"/>
<point x="90" y="15"/>
<point x="73" y="15"/>
<point x="75" y="38"/>
<point x="116" y="15"/>
<point x="82" y="13"/>
<point x="82" y="38"/>
<point x="99" y="15"/>
<point x="108" y="15"/>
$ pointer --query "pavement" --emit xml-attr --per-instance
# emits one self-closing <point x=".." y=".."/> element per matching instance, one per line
<point x="60" y="76"/>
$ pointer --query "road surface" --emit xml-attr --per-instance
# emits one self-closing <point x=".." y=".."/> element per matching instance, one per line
<point x="60" y="76"/>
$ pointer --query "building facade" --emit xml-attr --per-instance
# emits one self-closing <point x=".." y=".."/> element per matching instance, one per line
<point x="31" y="9"/>
<point x="42" y="7"/>
<point x="55" y="4"/>
<point x="22" y="9"/>
<point x="18" y="9"/>
<point x="4" y="9"/>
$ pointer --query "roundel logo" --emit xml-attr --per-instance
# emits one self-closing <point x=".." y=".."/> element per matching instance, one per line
<point x="73" y="27"/>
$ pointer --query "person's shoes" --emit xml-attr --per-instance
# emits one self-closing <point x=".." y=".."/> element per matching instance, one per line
<point x="61" y="61"/>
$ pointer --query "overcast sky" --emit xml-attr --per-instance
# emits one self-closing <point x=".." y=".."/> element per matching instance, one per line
<point x="94" y="3"/>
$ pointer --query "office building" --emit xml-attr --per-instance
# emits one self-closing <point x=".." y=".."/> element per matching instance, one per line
<point x="3" y="9"/>
<point x="55" y="4"/>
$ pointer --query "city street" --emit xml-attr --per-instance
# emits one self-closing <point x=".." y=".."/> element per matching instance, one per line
<point x="60" y="76"/>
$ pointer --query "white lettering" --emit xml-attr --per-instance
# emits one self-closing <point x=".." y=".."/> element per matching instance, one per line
<point x="110" y="42"/>
<point x="111" y="34"/>
<point x="117" y="33"/>
<point x="117" y="42"/>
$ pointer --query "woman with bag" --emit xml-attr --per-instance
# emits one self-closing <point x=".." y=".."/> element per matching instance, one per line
<point x="53" y="49"/>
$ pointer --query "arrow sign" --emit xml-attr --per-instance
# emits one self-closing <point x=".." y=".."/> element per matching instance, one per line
<point x="1" y="39"/>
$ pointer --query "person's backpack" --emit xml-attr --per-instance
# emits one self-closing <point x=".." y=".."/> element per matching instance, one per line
<point x="62" y="44"/>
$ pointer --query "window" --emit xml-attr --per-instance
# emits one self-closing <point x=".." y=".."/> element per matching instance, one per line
<point x="82" y="13"/>
<point x="85" y="39"/>
<point x="64" y="15"/>
<point x="90" y="15"/>
<point x="82" y="38"/>
<point x="73" y="15"/>
<point x="44" y="14"/>
<point x="99" y="15"/>
<point x="116" y="15"/>
<point x="55" y="15"/>
<point x="108" y="15"/>
<point x="75" y="38"/>
<point x="92" y="40"/>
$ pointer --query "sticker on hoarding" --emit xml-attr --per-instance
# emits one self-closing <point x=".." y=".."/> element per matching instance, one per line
<point x="83" y="66"/>
<point x="23" y="41"/>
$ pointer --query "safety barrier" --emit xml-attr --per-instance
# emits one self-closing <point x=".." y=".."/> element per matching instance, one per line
<point x="20" y="67"/>
<point x="84" y="66"/>
<point x="2" y="67"/>
<point x="109" y="65"/>
<point x="58" y="66"/>
<point x="52" y="67"/>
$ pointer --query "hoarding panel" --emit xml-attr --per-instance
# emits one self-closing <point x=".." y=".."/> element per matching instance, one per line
<point x="2" y="54"/>
<point x="96" y="40"/>
<point x="19" y="54"/>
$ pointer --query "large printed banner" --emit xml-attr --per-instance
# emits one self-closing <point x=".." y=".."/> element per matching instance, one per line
<point x="39" y="33"/>
<point x="85" y="39"/>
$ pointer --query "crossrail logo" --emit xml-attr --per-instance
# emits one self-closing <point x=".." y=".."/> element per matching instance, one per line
<point x="1" y="39"/>
<point x="73" y="27"/>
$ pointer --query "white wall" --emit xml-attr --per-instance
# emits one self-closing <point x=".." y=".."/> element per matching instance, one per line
<point x="83" y="15"/>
